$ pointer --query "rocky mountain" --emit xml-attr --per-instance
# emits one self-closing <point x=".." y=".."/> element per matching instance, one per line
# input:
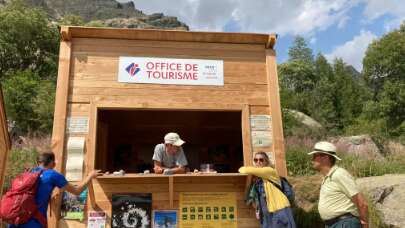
<point x="109" y="13"/>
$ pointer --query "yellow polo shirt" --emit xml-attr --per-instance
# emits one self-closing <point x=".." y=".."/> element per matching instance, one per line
<point x="337" y="189"/>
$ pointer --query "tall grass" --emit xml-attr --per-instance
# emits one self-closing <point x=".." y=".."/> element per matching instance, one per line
<point x="366" y="168"/>
<point x="299" y="164"/>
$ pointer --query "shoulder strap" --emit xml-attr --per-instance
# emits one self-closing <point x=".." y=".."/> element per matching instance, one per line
<point x="38" y="215"/>
<point x="41" y="218"/>
<point x="277" y="185"/>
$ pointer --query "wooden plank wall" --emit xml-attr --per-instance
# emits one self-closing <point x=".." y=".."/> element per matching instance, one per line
<point x="95" y="69"/>
<point x="93" y="76"/>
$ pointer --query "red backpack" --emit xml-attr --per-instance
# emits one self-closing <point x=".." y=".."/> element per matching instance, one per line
<point x="18" y="205"/>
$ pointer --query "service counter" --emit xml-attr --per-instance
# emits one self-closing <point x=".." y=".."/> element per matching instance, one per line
<point x="166" y="189"/>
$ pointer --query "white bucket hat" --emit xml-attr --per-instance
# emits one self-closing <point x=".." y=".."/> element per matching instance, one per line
<point x="174" y="139"/>
<point x="325" y="148"/>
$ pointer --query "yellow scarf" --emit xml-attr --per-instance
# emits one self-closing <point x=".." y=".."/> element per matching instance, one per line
<point x="275" y="199"/>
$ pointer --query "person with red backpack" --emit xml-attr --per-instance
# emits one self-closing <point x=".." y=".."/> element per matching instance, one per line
<point x="31" y="192"/>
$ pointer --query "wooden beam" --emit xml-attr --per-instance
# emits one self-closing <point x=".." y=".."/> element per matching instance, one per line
<point x="171" y="192"/>
<point x="169" y="35"/>
<point x="246" y="136"/>
<point x="5" y="144"/>
<point x="125" y="103"/>
<point x="65" y="34"/>
<point x="271" y="42"/>
<point x="91" y="153"/>
<point x="59" y="125"/>
<point x="275" y="107"/>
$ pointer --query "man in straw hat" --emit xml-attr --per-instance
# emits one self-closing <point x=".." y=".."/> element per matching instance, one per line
<point x="168" y="157"/>
<point x="340" y="202"/>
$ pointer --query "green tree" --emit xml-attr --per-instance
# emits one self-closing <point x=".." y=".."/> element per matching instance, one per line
<point x="300" y="51"/>
<point x="29" y="101"/>
<point x="297" y="77"/>
<point x="27" y="40"/>
<point x="385" y="60"/>
<point x="384" y="71"/>
<point x="349" y="96"/>
<point x="324" y="94"/>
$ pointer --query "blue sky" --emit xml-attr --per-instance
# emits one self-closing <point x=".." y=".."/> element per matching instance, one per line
<point x="337" y="28"/>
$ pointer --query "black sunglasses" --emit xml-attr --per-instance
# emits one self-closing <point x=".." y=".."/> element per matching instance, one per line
<point x="258" y="159"/>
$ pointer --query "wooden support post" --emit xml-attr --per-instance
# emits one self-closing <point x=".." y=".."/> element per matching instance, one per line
<point x="5" y="144"/>
<point x="171" y="192"/>
<point x="275" y="107"/>
<point x="59" y="125"/>
<point x="246" y="139"/>
<point x="91" y="153"/>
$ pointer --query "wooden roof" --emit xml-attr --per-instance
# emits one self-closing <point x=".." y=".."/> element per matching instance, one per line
<point x="69" y="32"/>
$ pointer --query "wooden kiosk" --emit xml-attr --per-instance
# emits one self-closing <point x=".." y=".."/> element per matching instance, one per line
<point x="224" y="118"/>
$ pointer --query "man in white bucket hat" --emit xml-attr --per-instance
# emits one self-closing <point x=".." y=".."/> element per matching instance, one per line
<point x="340" y="202"/>
<point x="168" y="157"/>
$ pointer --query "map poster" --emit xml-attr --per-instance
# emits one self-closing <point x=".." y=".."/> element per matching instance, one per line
<point x="207" y="210"/>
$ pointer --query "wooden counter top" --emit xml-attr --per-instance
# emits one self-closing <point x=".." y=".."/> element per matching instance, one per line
<point x="152" y="175"/>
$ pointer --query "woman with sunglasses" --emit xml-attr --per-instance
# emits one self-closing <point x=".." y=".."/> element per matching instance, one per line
<point x="272" y="206"/>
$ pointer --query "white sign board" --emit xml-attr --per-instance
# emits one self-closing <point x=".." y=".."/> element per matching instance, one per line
<point x="79" y="124"/>
<point x="261" y="138"/>
<point x="260" y="122"/>
<point x="171" y="71"/>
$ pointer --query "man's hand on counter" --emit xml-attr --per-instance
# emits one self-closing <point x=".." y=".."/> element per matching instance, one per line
<point x="158" y="169"/>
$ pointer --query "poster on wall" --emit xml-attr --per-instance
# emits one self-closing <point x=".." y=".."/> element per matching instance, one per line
<point x="171" y="71"/>
<point x="73" y="206"/>
<point x="261" y="138"/>
<point x="75" y="157"/>
<point x="207" y="210"/>
<point x="77" y="124"/>
<point x="96" y="219"/>
<point x="261" y="130"/>
<point x="131" y="210"/>
<point x="260" y="122"/>
<point x="164" y="219"/>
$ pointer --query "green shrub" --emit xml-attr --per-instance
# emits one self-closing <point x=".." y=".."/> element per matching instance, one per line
<point x="298" y="162"/>
<point x="18" y="161"/>
<point x="307" y="219"/>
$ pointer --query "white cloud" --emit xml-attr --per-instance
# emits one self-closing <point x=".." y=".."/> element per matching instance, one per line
<point x="352" y="52"/>
<point x="273" y="16"/>
<point x="394" y="8"/>
<point x="267" y="16"/>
